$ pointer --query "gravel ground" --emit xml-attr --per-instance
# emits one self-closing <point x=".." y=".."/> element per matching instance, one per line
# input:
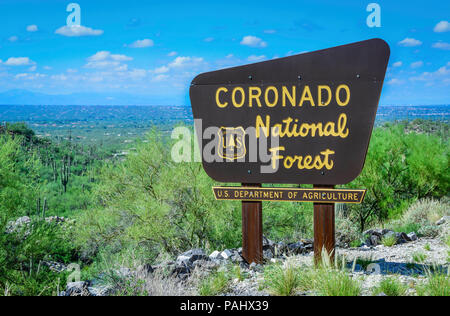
<point x="397" y="261"/>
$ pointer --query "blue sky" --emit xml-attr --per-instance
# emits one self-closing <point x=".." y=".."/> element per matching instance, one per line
<point x="153" y="49"/>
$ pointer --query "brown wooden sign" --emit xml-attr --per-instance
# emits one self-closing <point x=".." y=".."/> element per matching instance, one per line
<point x="289" y="194"/>
<point x="304" y="119"/>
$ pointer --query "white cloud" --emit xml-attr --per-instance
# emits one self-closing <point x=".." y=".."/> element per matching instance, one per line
<point x="439" y="76"/>
<point x="254" y="58"/>
<point x="397" y="64"/>
<point x="253" y="41"/>
<point x="161" y="70"/>
<point x="209" y="39"/>
<point x="60" y="77"/>
<point x="104" y="55"/>
<point x="441" y="45"/>
<point x="19" y="61"/>
<point x="183" y="61"/>
<point x="28" y="76"/>
<point x="75" y="31"/>
<point x="104" y="59"/>
<point x="32" y="68"/>
<point x="442" y="26"/>
<point x="142" y="43"/>
<point x="32" y="28"/>
<point x="410" y="42"/>
<point x="394" y="81"/>
<point x="13" y="38"/>
<point x="171" y="54"/>
<point x="159" y="78"/>
<point x="47" y="68"/>
<point x="417" y="64"/>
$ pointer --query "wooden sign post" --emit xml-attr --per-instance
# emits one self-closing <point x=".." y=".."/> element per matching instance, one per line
<point x="252" y="230"/>
<point x="303" y="119"/>
<point x="324" y="228"/>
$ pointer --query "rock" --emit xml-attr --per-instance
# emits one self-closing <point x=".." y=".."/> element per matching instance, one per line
<point x="255" y="267"/>
<point x="189" y="257"/>
<point x="100" y="290"/>
<point x="412" y="236"/>
<point x="17" y="224"/>
<point x="381" y="294"/>
<point x="80" y="288"/>
<point x="206" y="264"/>
<point x="296" y="248"/>
<point x="267" y="254"/>
<point x="237" y="258"/>
<point x="124" y="272"/>
<point x="267" y="242"/>
<point x="375" y="240"/>
<point x="385" y="231"/>
<point x="55" y="266"/>
<point x="215" y="255"/>
<point x="226" y="254"/>
<point x="402" y="238"/>
<point x="55" y="219"/>
<point x="376" y="232"/>
<point x="145" y="269"/>
<point x="443" y="220"/>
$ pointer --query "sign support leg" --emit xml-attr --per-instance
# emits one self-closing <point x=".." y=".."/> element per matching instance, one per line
<point x="252" y="236"/>
<point x="324" y="228"/>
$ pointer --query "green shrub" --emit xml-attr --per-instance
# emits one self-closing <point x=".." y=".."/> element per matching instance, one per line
<point x="389" y="241"/>
<point x="216" y="283"/>
<point x="391" y="287"/>
<point x="399" y="170"/>
<point x="436" y="284"/>
<point x="419" y="257"/>
<point x="284" y="280"/>
<point x="330" y="282"/>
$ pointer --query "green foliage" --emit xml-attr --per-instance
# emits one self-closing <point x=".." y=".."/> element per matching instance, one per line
<point x="419" y="257"/>
<point x="283" y="280"/>
<point x="421" y="216"/>
<point x="216" y="283"/>
<point x="398" y="169"/>
<point x="389" y="241"/>
<point x="337" y="283"/>
<point x="436" y="284"/>
<point x="391" y="287"/>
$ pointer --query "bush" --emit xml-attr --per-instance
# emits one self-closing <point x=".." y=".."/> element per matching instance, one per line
<point x="389" y="241"/>
<point x="398" y="170"/>
<point x="391" y="287"/>
<point x="284" y="280"/>
<point x="216" y="283"/>
<point x="436" y="284"/>
<point x="421" y="216"/>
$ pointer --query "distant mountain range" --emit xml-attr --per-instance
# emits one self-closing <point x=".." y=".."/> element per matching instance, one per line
<point x="25" y="97"/>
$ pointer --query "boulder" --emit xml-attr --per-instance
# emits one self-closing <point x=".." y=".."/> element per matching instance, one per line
<point x="296" y="248"/>
<point x="226" y="254"/>
<point x="412" y="236"/>
<point x="374" y="240"/>
<point x="443" y="220"/>
<point x="17" y="224"/>
<point x="189" y="257"/>
<point x="267" y="254"/>
<point x="80" y="288"/>
<point x="215" y="255"/>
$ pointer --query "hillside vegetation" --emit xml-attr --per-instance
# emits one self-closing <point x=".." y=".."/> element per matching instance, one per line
<point x="147" y="208"/>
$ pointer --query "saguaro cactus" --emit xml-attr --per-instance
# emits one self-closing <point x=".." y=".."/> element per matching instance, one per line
<point x="65" y="171"/>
